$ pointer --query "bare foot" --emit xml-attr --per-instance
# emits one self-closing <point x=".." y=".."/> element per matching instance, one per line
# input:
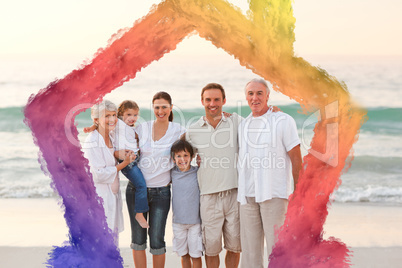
<point x="141" y="220"/>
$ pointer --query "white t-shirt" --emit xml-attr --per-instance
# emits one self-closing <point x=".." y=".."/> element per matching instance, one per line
<point x="123" y="137"/>
<point x="264" y="165"/>
<point x="155" y="161"/>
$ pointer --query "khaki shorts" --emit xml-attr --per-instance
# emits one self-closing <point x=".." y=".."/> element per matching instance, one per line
<point x="220" y="217"/>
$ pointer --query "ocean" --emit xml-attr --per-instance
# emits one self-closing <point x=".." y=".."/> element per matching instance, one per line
<point x="374" y="82"/>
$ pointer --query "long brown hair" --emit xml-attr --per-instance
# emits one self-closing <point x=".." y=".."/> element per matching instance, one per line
<point x="164" y="95"/>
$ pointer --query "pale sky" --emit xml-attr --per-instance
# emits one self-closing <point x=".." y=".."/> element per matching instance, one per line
<point x="58" y="28"/>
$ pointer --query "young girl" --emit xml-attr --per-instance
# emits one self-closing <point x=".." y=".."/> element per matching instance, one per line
<point x="125" y="139"/>
<point x="128" y="112"/>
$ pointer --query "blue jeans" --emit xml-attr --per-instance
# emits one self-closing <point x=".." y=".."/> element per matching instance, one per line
<point x="134" y="175"/>
<point x="159" y="206"/>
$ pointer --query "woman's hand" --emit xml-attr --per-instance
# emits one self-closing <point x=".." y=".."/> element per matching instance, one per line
<point x="121" y="154"/>
<point x="129" y="157"/>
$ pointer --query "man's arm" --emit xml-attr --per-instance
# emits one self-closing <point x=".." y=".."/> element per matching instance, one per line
<point x="295" y="157"/>
<point x="274" y="109"/>
<point x="185" y="137"/>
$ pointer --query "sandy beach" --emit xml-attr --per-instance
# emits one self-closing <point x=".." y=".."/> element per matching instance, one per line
<point x="30" y="227"/>
<point x="33" y="257"/>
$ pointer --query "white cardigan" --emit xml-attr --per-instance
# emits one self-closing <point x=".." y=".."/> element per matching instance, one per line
<point x="103" y="168"/>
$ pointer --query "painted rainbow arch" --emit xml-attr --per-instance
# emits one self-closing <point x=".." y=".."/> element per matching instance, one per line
<point x="263" y="42"/>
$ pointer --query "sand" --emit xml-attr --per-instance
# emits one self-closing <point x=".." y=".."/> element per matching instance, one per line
<point x="34" y="257"/>
<point x="30" y="227"/>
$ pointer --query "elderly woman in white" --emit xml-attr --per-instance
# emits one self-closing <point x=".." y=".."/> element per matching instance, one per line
<point x="99" y="150"/>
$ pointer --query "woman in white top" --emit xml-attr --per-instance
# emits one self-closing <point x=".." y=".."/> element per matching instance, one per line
<point x="155" y="139"/>
<point x="98" y="149"/>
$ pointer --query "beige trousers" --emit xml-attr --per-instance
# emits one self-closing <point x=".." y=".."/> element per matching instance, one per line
<point x="257" y="220"/>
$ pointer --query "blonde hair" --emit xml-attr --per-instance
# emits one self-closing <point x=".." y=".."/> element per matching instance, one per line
<point x="98" y="110"/>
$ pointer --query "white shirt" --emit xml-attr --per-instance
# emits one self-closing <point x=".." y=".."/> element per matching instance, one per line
<point x="123" y="137"/>
<point x="264" y="165"/>
<point x="155" y="162"/>
<point x="104" y="173"/>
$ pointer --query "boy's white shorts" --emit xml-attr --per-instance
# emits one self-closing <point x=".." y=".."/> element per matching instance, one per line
<point x="187" y="238"/>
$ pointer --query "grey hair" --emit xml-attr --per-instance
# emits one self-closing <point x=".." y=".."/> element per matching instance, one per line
<point x="99" y="109"/>
<point x="258" y="80"/>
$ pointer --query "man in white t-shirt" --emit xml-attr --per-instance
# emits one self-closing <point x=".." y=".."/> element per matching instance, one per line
<point x="214" y="137"/>
<point x="269" y="158"/>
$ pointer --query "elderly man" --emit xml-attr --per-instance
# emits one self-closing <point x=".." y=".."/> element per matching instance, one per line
<point x="214" y="137"/>
<point x="269" y="154"/>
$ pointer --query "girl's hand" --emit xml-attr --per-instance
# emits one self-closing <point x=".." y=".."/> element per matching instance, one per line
<point x="90" y="129"/>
